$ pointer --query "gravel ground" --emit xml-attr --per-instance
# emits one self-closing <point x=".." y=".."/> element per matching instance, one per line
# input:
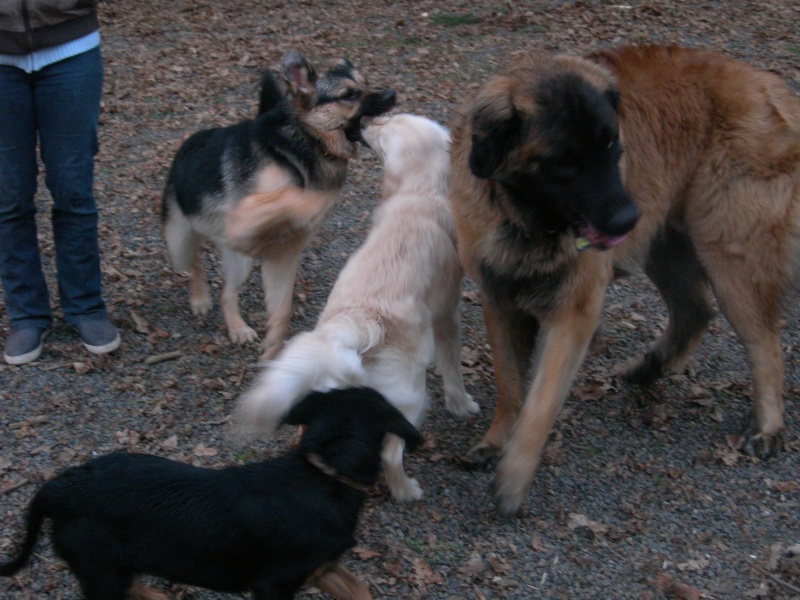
<point x="640" y="494"/>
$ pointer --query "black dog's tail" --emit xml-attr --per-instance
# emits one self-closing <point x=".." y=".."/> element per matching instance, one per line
<point x="271" y="94"/>
<point x="36" y="514"/>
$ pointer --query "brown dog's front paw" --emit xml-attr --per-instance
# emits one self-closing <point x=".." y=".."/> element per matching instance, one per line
<point x="482" y="456"/>
<point x="646" y="371"/>
<point x="761" y="445"/>
<point x="509" y="494"/>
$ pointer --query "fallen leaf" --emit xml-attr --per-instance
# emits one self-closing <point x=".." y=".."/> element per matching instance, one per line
<point x="667" y="584"/>
<point x="364" y="553"/>
<point x="171" y="443"/>
<point x="695" y="564"/>
<point x="201" y="450"/>
<point x="577" y="522"/>
<point x="536" y="543"/>
<point x="473" y="566"/>
<point x="140" y="323"/>
<point x="424" y="574"/>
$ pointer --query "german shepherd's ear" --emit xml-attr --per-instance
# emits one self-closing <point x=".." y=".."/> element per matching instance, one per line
<point x="298" y="74"/>
<point x="495" y="131"/>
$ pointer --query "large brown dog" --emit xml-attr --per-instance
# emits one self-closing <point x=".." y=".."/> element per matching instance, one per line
<point x="709" y="176"/>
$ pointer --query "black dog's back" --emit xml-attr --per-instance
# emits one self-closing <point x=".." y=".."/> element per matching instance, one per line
<point x="264" y="527"/>
<point x="179" y="516"/>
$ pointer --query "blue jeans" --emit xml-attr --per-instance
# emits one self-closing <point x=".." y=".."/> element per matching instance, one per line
<point x="61" y="103"/>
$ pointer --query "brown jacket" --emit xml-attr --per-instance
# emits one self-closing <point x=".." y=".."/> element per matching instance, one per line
<point x="28" y="25"/>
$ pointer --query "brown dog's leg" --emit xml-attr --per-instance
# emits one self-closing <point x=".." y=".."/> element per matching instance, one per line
<point x="512" y="336"/>
<point x="565" y="340"/>
<point x="754" y="316"/>
<point x="340" y="583"/>
<point x="680" y="278"/>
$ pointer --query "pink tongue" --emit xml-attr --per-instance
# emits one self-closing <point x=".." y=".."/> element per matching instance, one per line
<point x="600" y="240"/>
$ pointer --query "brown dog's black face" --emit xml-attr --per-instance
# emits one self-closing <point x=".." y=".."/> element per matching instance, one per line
<point x="554" y="148"/>
<point x="339" y="98"/>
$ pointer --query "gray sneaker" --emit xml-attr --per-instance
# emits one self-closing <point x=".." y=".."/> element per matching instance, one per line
<point x="24" y="345"/>
<point x="98" y="335"/>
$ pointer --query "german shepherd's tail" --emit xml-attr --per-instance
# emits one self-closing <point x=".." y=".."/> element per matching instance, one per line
<point x="326" y="358"/>
<point x="37" y="512"/>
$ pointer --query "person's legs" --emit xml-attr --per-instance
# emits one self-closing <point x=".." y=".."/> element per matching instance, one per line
<point x="24" y="288"/>
<point x="67" y="108"/>
<point x="67" y="100"/>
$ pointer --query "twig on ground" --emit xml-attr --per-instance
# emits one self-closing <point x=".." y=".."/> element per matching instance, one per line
<point x="157" y="358"/>
<point x="776" y="579"/>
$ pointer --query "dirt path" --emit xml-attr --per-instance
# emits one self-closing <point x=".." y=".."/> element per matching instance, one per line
<point x="639" y="496"/>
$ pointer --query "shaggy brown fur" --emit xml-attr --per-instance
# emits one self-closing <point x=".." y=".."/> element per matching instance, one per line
<point x="711" y="168"/>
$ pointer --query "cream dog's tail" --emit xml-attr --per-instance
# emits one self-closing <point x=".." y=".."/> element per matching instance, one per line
<point x="325" y="358"/>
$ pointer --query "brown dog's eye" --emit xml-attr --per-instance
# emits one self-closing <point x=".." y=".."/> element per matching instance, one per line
<point x="565" y="172"/>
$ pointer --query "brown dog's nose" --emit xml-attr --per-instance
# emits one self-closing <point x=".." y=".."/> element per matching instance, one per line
<point x="623" y="220"/>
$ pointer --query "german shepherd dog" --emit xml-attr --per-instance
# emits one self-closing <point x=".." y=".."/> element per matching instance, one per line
<point x="294" y="154"/>
<point x="394" y="308"/>
<point x="266" y="527"/>
<point x="706" y="194"/>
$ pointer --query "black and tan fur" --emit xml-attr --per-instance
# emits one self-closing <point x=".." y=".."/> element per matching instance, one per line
<point x="694" y="156"/>
<point x="290" y="161"/>
<point x="266" y="528"/>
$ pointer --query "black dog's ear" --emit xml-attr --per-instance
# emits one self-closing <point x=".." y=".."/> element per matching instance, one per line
<point x="397" y="424"/>
<point x="495" y="131"/>
<point x="298" y="74"/>
<point x="304" y="411"/>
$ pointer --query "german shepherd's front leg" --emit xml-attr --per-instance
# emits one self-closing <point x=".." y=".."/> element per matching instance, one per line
<point x="278" y="273"/>
<point x="564" y="342"/>
<point x="512" y="336"/>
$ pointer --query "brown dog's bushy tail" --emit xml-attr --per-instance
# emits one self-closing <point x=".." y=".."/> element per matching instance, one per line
<point x="36" y="515"/>
<point x="328" y="357"/>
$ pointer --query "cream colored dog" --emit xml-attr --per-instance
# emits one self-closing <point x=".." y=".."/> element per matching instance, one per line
<point x="395" y="306"/>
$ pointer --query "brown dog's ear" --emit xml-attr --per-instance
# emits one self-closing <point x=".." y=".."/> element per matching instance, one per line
<point x="495" y="131"/>
<point x="298" y="74"/>
<point x="612" y="95"/>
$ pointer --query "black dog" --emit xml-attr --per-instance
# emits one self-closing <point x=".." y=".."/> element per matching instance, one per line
<point x="265" y="527"/>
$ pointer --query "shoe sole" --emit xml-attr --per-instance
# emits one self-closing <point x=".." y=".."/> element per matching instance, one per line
<point x="31" y="356"/>
<point x="105" y="348"/>
<point x="23" y="358"/>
